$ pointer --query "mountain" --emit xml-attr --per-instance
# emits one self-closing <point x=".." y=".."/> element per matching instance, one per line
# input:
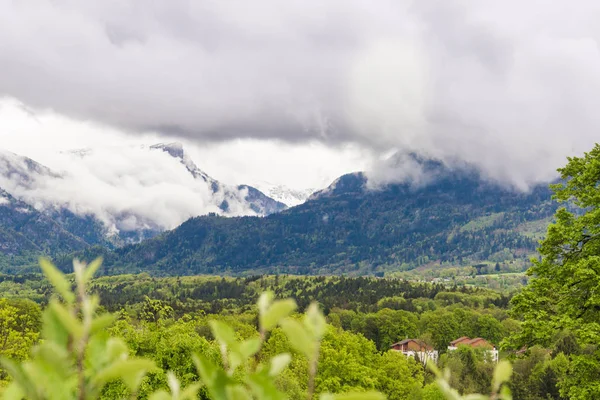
<point x="24" y="229"/>
<point x="288" y="196"/>
<point x="234" y="197"/>
<point x="44" y="211"/>
<point x="455" y="217"/>
<point x="33" y="226"/>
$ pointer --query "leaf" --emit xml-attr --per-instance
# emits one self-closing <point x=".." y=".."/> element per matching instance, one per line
<point x="53" y="329"/>
<point x="240" y="352"/>
<point x="224" y="334"/>
<point x="212" y="376"/>
<point x="299" y="338"/>
<point x="433" y="368"/>
<point x="449" y="393"/>
<point x="371" y="395"/>
<point x="235" y="360"/>
<point x="315" y="321"/>
<point x="502" y="374"/>
<point x="279" y="363"/>
<point x="67" y="319"/>
<point x="263" y="387"/>
<point x="116" y="349"/>
<point x="55" y="356"/>
<point x="58" y="280"/>
<point x="174" y="384"/>
<point x="475" y="397"/>
<point x="505" y="393"/>
<point x="249" y="347"/>
<point x="278" y="310"/>
<point x="160" y="395"/>
<point x="238" y="392"/>
<point x="264" y="301"/>
<point x="191" y="392"/>
<point x="20" y="377"/>
<point x="130" y="371"/>
<point x="102" y="322"/>
<point x="13" y="392"/>
<point x="91" y="269"/>
<point x="90" y="304"/>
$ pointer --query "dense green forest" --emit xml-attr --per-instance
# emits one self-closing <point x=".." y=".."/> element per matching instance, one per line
<point x="168" y="318"/>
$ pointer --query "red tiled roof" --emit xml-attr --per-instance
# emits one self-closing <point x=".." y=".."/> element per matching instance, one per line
<point x="417" y="341"/>
<point x="459" y="340"/>
<point x="476" y="340"/>
<point x="404" y="342"/>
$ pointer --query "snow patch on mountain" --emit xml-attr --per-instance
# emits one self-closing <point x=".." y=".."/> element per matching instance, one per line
<point x="286" y="195"/>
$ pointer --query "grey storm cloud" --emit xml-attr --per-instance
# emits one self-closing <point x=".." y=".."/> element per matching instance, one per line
<point x="511" y="86"/>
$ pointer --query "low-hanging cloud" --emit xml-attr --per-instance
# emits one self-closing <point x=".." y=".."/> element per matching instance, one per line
<point x="128" y="188"/>
<point x="512" y="87"/>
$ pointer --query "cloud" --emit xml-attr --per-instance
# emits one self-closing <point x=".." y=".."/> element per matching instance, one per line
<point x="126" y="187"/>
<point x="308" y="165"/>
<point x="92" y="169"/>
<point x="512" y="87"/>
<point x="261" y="163"/>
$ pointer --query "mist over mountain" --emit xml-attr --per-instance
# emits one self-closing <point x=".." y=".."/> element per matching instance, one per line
<point x="425" y="212"/>
<point x="111" y="201"/>
<point x="234" y="197"/>
<point x="25" y="229"/>
<point x="454" y="217"/>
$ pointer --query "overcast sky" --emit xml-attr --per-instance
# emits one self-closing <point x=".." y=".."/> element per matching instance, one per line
<point x="511" y="86"/>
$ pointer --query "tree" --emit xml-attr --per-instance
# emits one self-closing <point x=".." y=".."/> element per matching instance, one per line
<point x="154" y="310"/>
<point x="490" y="328"/>
<point x="399" y="375"/>
<point x="469" y="373"/>
<point x="347" y="362"/>
<point x="443" y="328"/>
<point x="564" y="291"/>
<point x="19" y="327"/>
<point x="432" y="392"/>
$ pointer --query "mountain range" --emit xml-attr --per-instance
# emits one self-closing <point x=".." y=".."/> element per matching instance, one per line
<point x="33" y="219"/>
<point x="449" y="216"/>
<point x="456" y="218"/>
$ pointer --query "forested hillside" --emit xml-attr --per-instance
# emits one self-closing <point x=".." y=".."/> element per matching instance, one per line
<point x="24" y="229"/>
<point x="458" y="219"/>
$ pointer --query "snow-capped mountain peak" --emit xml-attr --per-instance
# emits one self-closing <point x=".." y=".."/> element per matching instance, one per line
<point x="176" y="150"/>
<point x="288" y="196"/>
<point x="232" y="196"/>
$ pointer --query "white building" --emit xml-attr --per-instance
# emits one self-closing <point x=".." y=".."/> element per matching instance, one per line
<point x="491" y="352"/>
<point x="416" y="348"/>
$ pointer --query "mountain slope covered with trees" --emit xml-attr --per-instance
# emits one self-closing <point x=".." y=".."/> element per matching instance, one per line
<point x="459" y="218"/>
